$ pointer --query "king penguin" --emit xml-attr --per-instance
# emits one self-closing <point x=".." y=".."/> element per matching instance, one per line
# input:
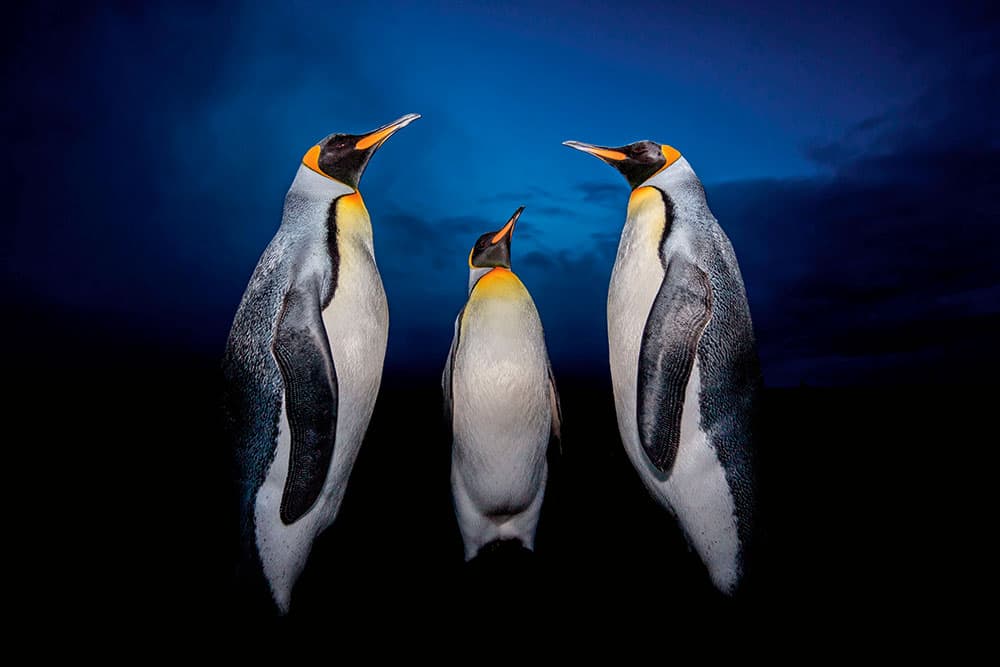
<point x="500" y="400"/>
<point x="303" y="362"/>
<point x="684" y="364"/>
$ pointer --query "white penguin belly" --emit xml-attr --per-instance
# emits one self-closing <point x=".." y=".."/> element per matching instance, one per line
<point x="696" y="491"/>
<point x="356" y="322"/>
<point x="502" y="413"/>
<point x="357" y="325"/>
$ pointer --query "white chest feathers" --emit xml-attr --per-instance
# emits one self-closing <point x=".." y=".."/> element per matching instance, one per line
<point x="501" y="407"/>
<point x="500" y="378"/>
<point x="635" y="281"/>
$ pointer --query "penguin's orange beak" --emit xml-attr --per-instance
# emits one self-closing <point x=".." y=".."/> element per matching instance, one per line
<point x="602" y="152"/>
<point x="508" y="230"/>
<point x="376" y="138"/>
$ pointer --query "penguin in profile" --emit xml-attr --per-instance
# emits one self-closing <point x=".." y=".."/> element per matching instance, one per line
<point x="684" y="363"/>
<point x="303" y="362"/>
<point x="500" y="400"/>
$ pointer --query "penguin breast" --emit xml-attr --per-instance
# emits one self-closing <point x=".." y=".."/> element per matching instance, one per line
<point x="635" y="281"/>
<point x="501" y="416"/>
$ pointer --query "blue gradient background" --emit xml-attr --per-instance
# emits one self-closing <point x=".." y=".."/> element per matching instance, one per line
<point x="851" y="153"/>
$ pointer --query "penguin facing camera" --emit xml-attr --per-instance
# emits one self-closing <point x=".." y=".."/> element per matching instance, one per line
<point x="501" y="402"/>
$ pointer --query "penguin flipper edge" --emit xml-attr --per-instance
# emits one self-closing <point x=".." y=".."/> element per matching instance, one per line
<point x="680" y="313"/>
<point x="302" y="351"/>
<point x="449" y="367"/>
<point x="556" y="408"/>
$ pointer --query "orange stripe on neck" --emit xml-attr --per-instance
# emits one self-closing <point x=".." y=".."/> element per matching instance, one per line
<point x="351" y="207"/>
<point x="497" y="278"/>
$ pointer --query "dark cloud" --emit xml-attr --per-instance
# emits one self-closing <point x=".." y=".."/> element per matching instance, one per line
<point x="570" y="289"/>
<point x="510" y="197"/>
<point x="537" y="260"/>
<point x="404" y="225"/>
<point x="422" y="259"/>
<point x="885" y="271"/>
<point x="421" y="234"/>
<point x="607" y="238"/>
<point x="557" y="211"/>
<point x="532" y="193"/>
<point x="958" y="115"/>
<point x="606" y="193"/>
<point x="855" y="142"/>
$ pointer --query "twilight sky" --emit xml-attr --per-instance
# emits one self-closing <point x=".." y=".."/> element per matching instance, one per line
<point x="851" y="153"/>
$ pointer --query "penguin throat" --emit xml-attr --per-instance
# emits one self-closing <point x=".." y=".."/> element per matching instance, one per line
<point x="636" y="174"/>
<point x="475" y="273"/>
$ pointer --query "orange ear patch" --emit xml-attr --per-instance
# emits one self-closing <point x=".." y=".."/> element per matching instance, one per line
<point x="671" y="154"/>
<point x="311" y="160"/>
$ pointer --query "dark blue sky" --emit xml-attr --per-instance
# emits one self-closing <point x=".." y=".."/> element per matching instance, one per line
<point x="851" y="153"/>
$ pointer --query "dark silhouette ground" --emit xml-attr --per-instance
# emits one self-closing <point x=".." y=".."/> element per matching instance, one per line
<point x="858" y="491"/>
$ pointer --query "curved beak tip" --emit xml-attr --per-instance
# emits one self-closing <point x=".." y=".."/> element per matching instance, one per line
<point x="406" y="120"/>
<point x="580" y="145"/>
<point x="513" y="219"/>
<point x="375" y="138"/>
<point x="597" y="151"/>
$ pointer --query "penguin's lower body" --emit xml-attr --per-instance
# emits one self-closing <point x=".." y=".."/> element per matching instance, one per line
<point x="356" y="322"/>
<point x="697" y="491"/>
<point x="486" y="525"/>
<point x="501" y="426"/>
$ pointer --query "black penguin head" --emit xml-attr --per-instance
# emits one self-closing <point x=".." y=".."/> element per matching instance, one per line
<point x="636" y="162"/>
<point x="344" y="157"/>
<point x="493" y="248"/>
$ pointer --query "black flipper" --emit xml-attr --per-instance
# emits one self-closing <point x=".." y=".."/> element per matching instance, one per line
<point x="303" y="353"/>
<point x="680" y="313"/>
